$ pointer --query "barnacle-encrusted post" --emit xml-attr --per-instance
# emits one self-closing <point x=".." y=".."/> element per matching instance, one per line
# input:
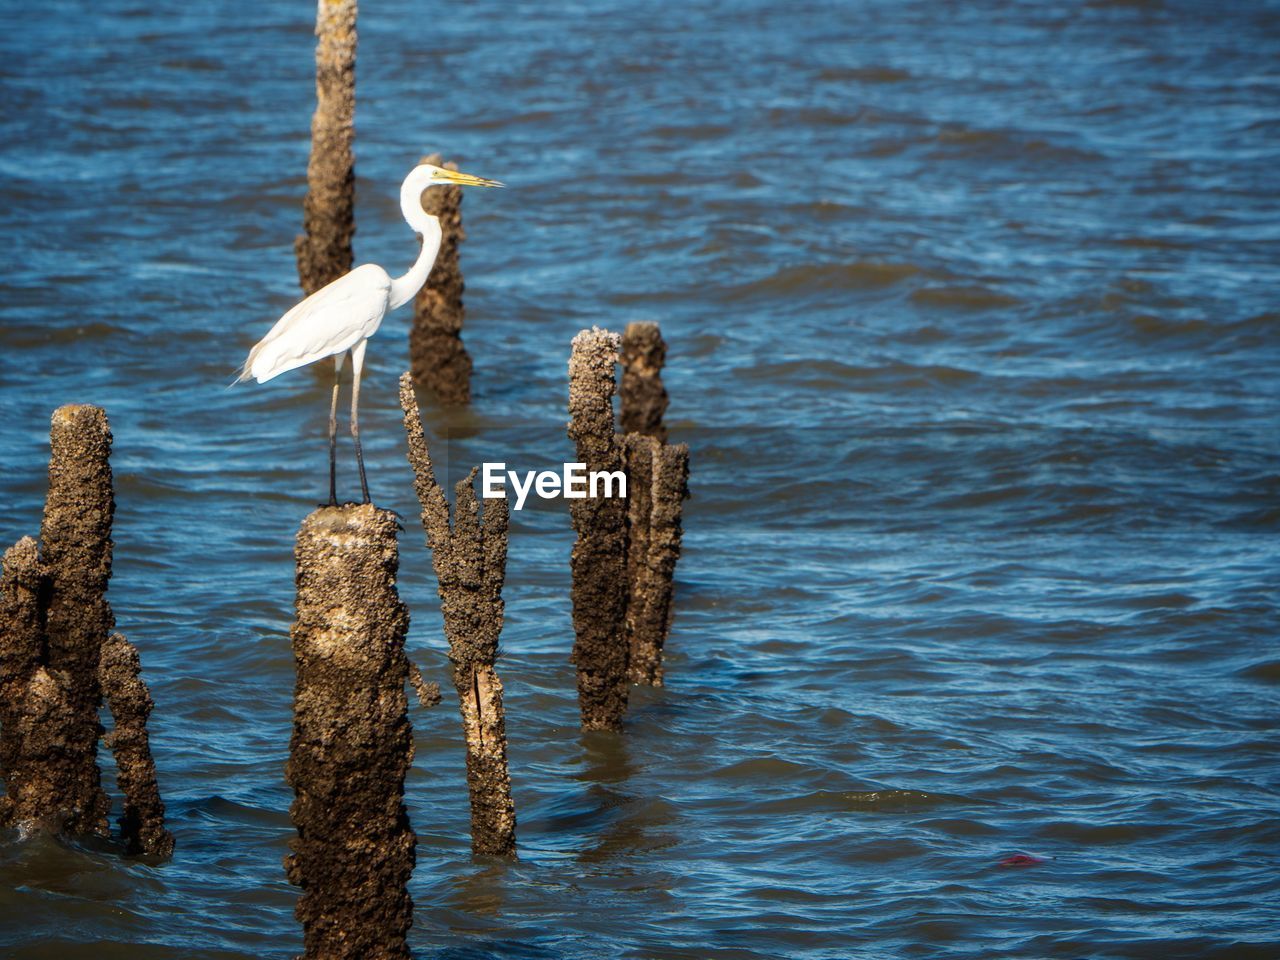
<point x="470" y="565"/>
<point x="142" y="825"/>
<point x="437" y="357"/>
<point x="75" y="559"/>
<point x="34" y="706"/>
<point x="599" y="559"/>
<point x="659" y="475"/>
<point x="642" y="396"/>
<point x="54" y="624"/>
<point x="352" y="743"/>
<point x="323" y="249"/>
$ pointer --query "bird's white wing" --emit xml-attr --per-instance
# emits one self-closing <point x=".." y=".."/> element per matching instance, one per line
<point x="330" y="321"/>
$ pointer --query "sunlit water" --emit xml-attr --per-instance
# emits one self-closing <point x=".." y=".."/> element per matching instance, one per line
<point x="973" y="333"/>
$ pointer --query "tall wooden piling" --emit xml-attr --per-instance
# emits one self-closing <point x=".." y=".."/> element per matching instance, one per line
<point x="599" y="559"/>
<point x="323" y="249"/>
<point x="643" y="398"/>
<point x="470" y="566"/>
<point x="659" y="476"/>
<point x="75" y="554"/>
<point x="352" y="743"/>
<point x="437" y="357"/>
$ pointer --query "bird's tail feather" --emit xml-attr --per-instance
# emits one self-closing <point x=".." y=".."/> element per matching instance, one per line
<point x="242" y="375"/>
<point x="245" y="372"/>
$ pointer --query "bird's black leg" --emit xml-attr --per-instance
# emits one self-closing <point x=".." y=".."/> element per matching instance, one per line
<point x="333" y="434"/>
<point x="357" y="361"/>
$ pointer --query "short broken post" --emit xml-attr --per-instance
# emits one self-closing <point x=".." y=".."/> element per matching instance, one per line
<point x="323" y="249"/>
<point x="659" y="483"/>
<point x="437" y="357"/>
<point x="599" y="559"/>
<point x="35" y="709"/>
<point x="470" y="566"/>
<point x="643" y="398"/>
<point x="142" y="824"/>
<point x="352" y="743"/>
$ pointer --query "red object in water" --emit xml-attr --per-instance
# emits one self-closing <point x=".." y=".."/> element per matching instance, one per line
<point x="1021" y="860"/>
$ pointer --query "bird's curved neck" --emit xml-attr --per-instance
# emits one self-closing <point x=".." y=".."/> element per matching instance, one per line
<point x="406" y="287"/>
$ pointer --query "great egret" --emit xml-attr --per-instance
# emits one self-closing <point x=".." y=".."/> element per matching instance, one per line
<point x="341" y="317"/>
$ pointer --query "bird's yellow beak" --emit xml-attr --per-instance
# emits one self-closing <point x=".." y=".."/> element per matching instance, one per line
<point x="465" y="179"/>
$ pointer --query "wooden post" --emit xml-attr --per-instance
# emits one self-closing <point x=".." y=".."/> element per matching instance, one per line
<point x="352" y="743"/>
<point x="35" y="709"/>
<point x="54" y="624"/>
<point x="599" y="559"/>
<point x="323" y="250"/>
<point x="437" y="357"/>
<point x="659" y="476"/>
<point x="75" y="561"/>
<point x="470" y="565"/>
<point x="142" y="825"/>
<point x="643" y="397"/>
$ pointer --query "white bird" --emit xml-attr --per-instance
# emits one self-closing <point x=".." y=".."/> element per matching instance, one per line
<point x="342" y="316"/>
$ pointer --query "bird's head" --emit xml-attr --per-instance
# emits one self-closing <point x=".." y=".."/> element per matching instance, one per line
<point x="429" y="175"/>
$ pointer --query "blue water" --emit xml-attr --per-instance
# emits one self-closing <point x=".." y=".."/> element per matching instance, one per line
<point x="972" y="326"/>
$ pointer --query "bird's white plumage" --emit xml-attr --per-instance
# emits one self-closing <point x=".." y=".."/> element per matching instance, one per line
<point x="343" y="316"/>
<point x="330" y="321"/>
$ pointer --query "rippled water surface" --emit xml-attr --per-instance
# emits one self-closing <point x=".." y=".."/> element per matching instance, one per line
<point x="972" y="314"/>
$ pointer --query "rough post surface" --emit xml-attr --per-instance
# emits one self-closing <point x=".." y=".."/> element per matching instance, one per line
<point x="659" y="476"/>
<point x="437" y="357"/>
<point x="352" y="743"/>
<point x="21" y="619"/>
<point x="470" y="565"/>
<point x="323" y="249"/>
<point x="142" y="824"/>
<point x="599" y="560"/>
<point x="75" y="557"/>
<point x="643" y="397"/>
<point x="24" y="742"/>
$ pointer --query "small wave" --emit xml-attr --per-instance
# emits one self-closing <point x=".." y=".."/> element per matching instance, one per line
<point x="691" y="132"/>
<point x="963" y="298"/>
<point x="1153" y="243"/>
<point x="859" y="275"/>
<point x="990" y="144"/>
<point x="1267" y="671"/>
<point x="847" y="376"/>
<point x="873" y="74"/>
<point x="862" y="801"/>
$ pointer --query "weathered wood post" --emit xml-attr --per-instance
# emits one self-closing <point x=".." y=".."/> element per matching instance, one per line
<point x="437" y="357"/>
<point x="323" y="249"/>
<point x="75" y="554"/>
<point x="57" y="619"/>
<point x="142" y="824"/>
<point x="599" y="559"/>
<point x="470" y="566"/>
<point x="54" y="627"/>
<point x="35" y="707"/>
<point x="659" y="475"/>
<point x="642" y="395"/>
<point x="352" y="743"/>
